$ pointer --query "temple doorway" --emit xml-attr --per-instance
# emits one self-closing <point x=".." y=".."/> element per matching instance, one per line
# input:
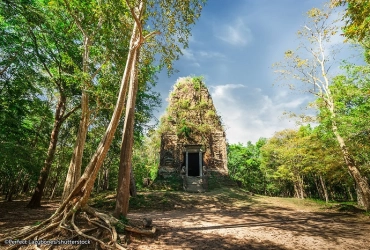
<point x="193" y="164"/>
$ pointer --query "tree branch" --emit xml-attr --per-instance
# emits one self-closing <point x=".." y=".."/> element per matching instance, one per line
<point x="151" y="34"/>
<point x="70" y="113"/>
<point x="99" y="69"/>
<point x="138" y="22"/>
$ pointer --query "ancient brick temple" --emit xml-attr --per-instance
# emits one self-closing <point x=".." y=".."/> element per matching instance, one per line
<point x="193" y="142"/>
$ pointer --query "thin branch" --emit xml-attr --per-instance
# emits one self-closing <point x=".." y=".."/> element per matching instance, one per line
<point x="77" y="21"/>
<point x="70" y="113"/>
<point x="99" y="69"/>
<point x="138" y="23"/>
<point x="151" y="34"/>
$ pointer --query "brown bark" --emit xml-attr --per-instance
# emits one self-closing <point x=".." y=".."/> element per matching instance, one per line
<point x="55" y="185"/>
<point x="37" y="195"/>
<point x="133" y="191"/>
<point x="26" y="185"/>
<point x="296" y="189"/>
<point x="105" y="185"/>
<point x="123" y="190"/>
<point x="74" y="169"/>
<point x="350" y="194"/>
<point x="324" y="189"/>
<point x="319" y="188"/>
<point x="301" y="187"/>
<point x="360" y="199"/>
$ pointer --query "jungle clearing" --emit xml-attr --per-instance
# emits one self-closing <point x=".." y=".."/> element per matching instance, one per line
<point x="224" y="218"/>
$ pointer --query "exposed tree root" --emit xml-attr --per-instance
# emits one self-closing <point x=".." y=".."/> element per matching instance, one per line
<point x="148" y="232"/>
<point x="69" y="224"/>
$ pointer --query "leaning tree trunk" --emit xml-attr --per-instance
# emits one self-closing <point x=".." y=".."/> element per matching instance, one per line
<point x="319" y="188"/>
<point x="74" y="170"/>
<point x="350" y="193"/>
<point x="85" y="185"/>
<point x="123" y="189"/>
<point x="59" y="112"/>
<point x="362" y="185"/>
<point x="296" y="189"/>
<point x="79" y="196"/>
<point x="133" y="191"/>
<point x="324" y="189"/>
<point x="360" y="199"/>
<point x="64" y="216"/>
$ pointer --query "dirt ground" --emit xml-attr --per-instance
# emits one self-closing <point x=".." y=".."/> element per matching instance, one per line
<point x="227" y="220"/>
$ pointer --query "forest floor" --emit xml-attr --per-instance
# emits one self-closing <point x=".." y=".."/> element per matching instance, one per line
<point x="226" y="218"/>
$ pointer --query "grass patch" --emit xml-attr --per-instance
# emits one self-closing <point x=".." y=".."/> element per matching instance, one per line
<point x="163" y="200"/>
<point x="171" y="183"/>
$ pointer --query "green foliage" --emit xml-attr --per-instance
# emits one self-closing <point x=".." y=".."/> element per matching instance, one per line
<point x="357" y="17"/>
<point x="41" y="48"/>
<point x="351" y="98"/>
<point x="211" y="114"/>
<point x="184" y="130"/>
<point x="171" y="183"/>
<point x="203" y="105"/>
<point x="244" y="165"/>
<point x="184" y="104"/>
<point x="145" y="160"/>
<point x="198" y="82"/>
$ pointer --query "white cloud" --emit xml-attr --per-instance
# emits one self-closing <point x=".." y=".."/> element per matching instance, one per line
<point x="237" y="33"/>
<point x="192" y="55"/>
<point x="222" y="92"/>
<point x="211" y="54"/>
<point x="255" y="115"/>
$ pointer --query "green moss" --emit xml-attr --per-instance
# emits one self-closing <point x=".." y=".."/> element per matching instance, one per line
<point x="184" y="131"/>
<point x="197" y="82"/>
<point x="210" y="114"/>
<point x="184" y="104"/>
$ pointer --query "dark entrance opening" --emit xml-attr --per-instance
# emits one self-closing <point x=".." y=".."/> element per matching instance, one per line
<point x="193" y="164"/>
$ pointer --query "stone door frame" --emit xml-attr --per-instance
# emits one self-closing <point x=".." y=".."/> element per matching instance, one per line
<point x="193" y="149"/>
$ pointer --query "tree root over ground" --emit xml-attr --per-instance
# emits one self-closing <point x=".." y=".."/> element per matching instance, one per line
<point x="69" y="224"/>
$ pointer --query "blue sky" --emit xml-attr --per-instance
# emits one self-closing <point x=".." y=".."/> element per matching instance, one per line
<point x="233" y="45"/>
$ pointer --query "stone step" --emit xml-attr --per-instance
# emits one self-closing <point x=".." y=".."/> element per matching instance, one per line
<point x="194" y="184"/>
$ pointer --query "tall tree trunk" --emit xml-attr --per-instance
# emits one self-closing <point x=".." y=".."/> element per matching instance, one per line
<point x="350" y="194"/>
<point x="123" y="189"/>
<point x="322" y="182"/>
<point x="59" y="112"/>
<point x="296" y="189"/>
<point x="9" y="196"/>
<point x="301" y="187"/>
<point x="133" y="191"/>
<point x="362" y="185"/>
<point x="319" y="188"/>
<point x="85" y="185"/>
<point x="26" y="186"/>
<point x="55" y="185"/>
<point x="360" y="199"/>
<point x="105" y="186"/>
<point x="74" y="170"/>
<point x="13" y="187"/>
